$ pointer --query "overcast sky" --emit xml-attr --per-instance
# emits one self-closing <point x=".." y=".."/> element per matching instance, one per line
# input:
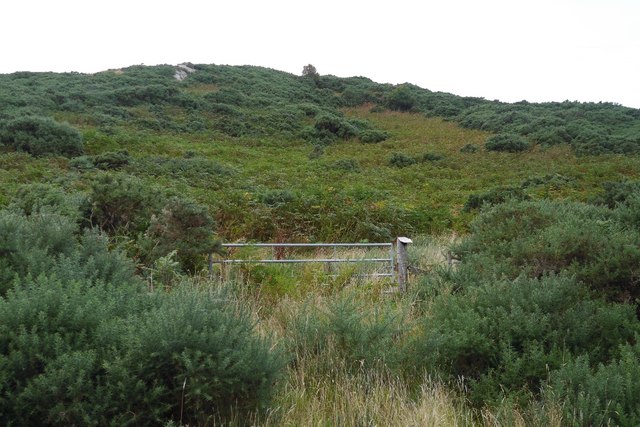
<point x="538" y="50"/>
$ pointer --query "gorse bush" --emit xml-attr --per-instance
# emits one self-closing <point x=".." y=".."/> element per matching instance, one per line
<point x="401" y="160"/>
<point x="41" y="136"/>
<point x="510" y="143"/>
<point x="48" y="243"/>
<point x="505" y="336"/>
<point x="401" y="99"/>
<point x="122" y="203"/>
<point x="543" y="237"/>
<point x="493" y="197"/>
<point x="469" y="148"/>
<point x="372" y="136"/>
<point x="185" y="227"/>
<point x="73" y="353"/>
<point x="602" y="395"/>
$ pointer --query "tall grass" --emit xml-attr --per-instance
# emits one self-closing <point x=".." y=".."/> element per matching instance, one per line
<point x="323" y="387"/>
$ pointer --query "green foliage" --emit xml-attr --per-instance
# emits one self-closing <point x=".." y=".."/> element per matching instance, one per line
<point x="122" y="203"/>
<point x="401" y="160"/>
<point x="617" y="193"/>
<point x="347" y="165"/>
<point x="41" y="136"/>
<point x="193" y="347"/>
<point x="110" y="160"/>
<point x="349" y="330"/>
<point x="48" y="243"/>
<point x="430" y="157"/>
<point x="401" y="98"/>
<point x="506" y="336"/>
<point x="193" y="170"/>
<point x="372" y="136"/>
<point x="508" y="142"/>
<point x="602" y="395"/>
<point x="493" y="197"/>
<point x="469" y="148"/>
<point x="185" y="227"/>
<point x="37" y="198"/>
<point x="335" y="125"/>
<point x="77" y="354"/>
<point x="543" y="237"/>
<point x="310" y="72"/>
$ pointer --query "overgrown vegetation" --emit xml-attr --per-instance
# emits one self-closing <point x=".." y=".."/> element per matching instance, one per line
<point x="117" y="185"/>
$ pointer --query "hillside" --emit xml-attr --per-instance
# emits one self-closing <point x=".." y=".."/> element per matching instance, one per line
<point x="523" y="302"/>
<point x="273" y="155"/>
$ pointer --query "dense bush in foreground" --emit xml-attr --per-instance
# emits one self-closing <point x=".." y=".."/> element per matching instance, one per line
<point x="73" y="353"/>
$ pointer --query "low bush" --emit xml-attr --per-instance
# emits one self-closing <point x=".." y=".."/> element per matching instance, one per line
<point x="430" y="157"/>
<point x="469" y="148"/>
<point x="335" y="125"/>
<point x="122" y="203"/>
<point x="504" y="337"/>
<point x="347" y="165"/>
<point x="401" y="98"/>
<point x="508" y="142"/>
<point x="372" y="136"/>
<point x="493" y="197"/>
<point x="401" y="160"/>
<point x="78" y="354"/>
<point x="48" y="243"/>
<point x="186" y="227"/>
<point x="41" y="136"/>
<point x="543" y="237"/>
<point x="602" y="393"/>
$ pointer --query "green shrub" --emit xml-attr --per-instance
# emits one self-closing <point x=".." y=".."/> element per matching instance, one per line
<point x="504" y="337"/>
<point x="48" y="243"/>
<point x="195" y="170"/>
<point x="401" y="160"/>
<point x="41" y="136"/>
<point x="335" y="125"/>
<point x="185" y="227"/>
<point x="494" y="197"/>
<point x="551" y="136"/>
<point x="372" y="136"/>
<point x="401" y="99"/>
<point x="430" y="157"/>
<point x="122" y="203"/>
<point x="543" y="237"/>
<point x="36" y="198"/>
<point x="156" y="93"/>
<point x="605" y="394"/>
<point x="197" y="348"/>
<point x="73" y="354"/>
<point x="469" y="148"/>
<point x="82" y="163"/>
<point x="617" y="193"/>
<point x="276" y="197"/>
<point x="112" y="160"/>
<point x="347" y="165"/>
<point x="508" y="142"/>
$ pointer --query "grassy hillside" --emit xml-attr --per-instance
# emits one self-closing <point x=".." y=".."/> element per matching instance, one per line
<point x="273" y="155"/>
<point x="114" y="186"/>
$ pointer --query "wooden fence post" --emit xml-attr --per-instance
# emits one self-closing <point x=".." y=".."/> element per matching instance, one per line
<point x="402" y="262"/>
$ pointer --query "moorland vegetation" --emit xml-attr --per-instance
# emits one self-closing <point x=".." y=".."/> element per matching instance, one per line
<point x="115" y="187"/>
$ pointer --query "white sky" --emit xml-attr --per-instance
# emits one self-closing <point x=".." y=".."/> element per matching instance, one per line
<point x="538" y="50"/>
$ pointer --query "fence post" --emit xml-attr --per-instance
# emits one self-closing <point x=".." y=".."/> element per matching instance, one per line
<point x="401" y="248"/>
<point x="210" y="265"/>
